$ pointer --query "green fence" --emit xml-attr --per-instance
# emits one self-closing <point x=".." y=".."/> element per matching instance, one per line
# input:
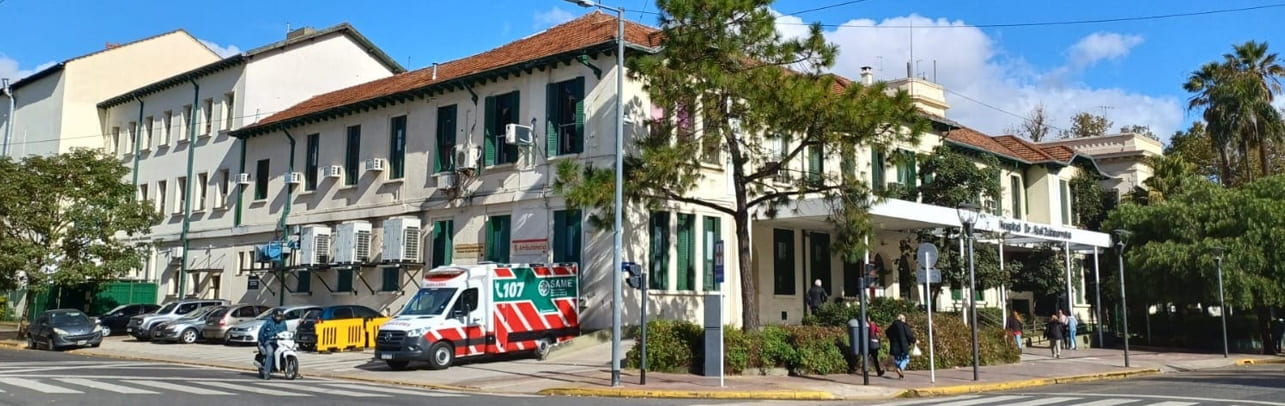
<point x="94" y="299"/>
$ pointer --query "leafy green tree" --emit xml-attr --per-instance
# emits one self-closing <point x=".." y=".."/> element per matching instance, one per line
<point x="725" y="63"/>
<point x="1170" y="253"/>
<point x="1236" y="96"/>
<point x="1194" y="146"/>
<point x="1140" y="130"/>
<point x="1091" y="201"/>
<point x="1085" y="125"/>
<point x="66" y="220"/>
<point x="1043" y="273"/>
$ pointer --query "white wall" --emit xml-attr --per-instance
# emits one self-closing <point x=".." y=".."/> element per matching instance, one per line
<point x="37" y="121"/>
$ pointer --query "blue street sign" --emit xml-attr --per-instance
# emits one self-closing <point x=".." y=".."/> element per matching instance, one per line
<point x="718" y="262"/>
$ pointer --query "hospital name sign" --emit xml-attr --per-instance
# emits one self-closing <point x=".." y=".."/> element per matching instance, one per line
<point x="1021" y="227"/>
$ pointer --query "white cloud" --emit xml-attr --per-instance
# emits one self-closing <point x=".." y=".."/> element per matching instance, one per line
<point x="9" y="68"/>
<point x="1102" y="45"/>
<point x="969" y="63"/>
<point x="553" y="17"/>
<point x="222" y="51"/>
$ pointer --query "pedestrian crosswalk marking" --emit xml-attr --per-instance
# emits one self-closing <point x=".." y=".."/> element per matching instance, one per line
<point x="1171" y="403"/>
<point x="983" y="401"/>
<point x="1042" y="401"/>
<point x="1106" y="402"/>
<point x="255" y="389"/>
<point x="930" y="400"/>
<point x="340" y="392"/>
<point x="391" y="390"/>
<point x="37" y="386"/>
<point x="105" y="386"/>
<point x="178" y="388"/>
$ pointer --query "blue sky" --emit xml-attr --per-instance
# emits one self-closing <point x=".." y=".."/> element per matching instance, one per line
<point x="1133" y="68"/>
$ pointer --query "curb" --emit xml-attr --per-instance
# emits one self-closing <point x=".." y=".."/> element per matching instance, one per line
<point x="1260" y="361"/>
<point x="1028" y="383"/>
<point x="688" y="394"/>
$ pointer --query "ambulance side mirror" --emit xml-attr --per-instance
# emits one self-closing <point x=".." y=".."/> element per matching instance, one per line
<point x="636" y="278"/>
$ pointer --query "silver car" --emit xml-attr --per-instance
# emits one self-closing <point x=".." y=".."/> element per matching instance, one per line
<point x="186" y="329"/>
<point x="222" y="320"/>
<point x="248" y="332"/>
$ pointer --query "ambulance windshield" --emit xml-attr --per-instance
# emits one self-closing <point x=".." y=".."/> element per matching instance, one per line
<point x="429" y="302"/>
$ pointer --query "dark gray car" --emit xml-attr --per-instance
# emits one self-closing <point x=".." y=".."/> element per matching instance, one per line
<point x="62" y="328"/>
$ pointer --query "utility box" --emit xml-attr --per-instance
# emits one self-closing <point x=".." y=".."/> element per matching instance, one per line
<point x="713" y="335"/>
<point x="401" y="240"/>
<point x="352" y="243"/>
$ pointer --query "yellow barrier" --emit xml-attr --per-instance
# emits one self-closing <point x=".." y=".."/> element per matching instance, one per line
<point x="372" y="330"/>
<point x="336" y="335"/>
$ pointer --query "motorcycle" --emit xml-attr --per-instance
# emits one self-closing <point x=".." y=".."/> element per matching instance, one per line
<point x="286" y="362"/>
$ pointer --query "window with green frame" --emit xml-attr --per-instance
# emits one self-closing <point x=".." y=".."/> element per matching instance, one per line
<point x="397" y="147"/>
<point x="261" y="176"/>
<point x="958" y="294"/>
<point x="391" y="280"/>
<point x="443" y="232"/>
<point x="686" y="278"/>
<point x="344" y="283"/>
<point x="713" y="233"/>
<point x="498" y="239"/>
<point x="1065" y="192"/>
<point x="303" y="282"/>
<point x="876" y="169"/>
<point x="311" y="168"/>
<point x="564" y="117"/>
<point x="816" y="164"/>
<point x="501" y="110"/>
<point x="566" y="236"/>
<point x="783" y="269"/>
<point x="907" y="174"/>
<point x="445" y="139"/>
<point x="1015" y="194"/>
<point x="352" y="156"/>
<point x="658" y="266"/>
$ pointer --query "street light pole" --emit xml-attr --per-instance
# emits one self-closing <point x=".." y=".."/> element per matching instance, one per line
<point x="1121" y="238"/>
<point x="1222" y="305"/>
<point x="968" y="218"/>
<point x="618" y="200"/>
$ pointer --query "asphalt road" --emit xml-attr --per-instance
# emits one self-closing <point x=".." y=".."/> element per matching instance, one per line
<point x="1262" y="385"/>
<point x="46" y="377"/>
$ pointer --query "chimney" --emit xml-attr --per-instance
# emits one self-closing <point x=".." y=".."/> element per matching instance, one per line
<point x="867" y="76"/>
<point x="111" y="45"/>
<point x="300" y="32"/>
<point x="434" y="70"/>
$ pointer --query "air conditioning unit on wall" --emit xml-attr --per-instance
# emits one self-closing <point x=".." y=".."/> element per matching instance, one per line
<point x="516" y="134"/>
<point x="243" y="179"/>
<point x="352" y="242"/>
<point x="314" y="245"/>
<point x="445" y="180"/>
<point x="332" y="171"/>
<point x="374" y="164"/>
<point x="294" y="178"/>
<point x="401" y="240"/>
<point x="465" y="157"/>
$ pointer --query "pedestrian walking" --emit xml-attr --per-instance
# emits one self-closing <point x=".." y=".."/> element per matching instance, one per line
<point x="1053" y="332"/>
<point x="900" y="340"/>
<point x="1014" y="328"/>
<point x="816" y="296"/>
<point x="873" y="350"/>
<point x="1071" y="324"/>
<point x="1278" y="334"/>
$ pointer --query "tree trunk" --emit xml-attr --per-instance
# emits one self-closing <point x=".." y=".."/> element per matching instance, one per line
<point x="1224" y="167"/>
<point x="1262" y="158"/>
<point x="1265" y="327"/>
<point x="744" y="256"/>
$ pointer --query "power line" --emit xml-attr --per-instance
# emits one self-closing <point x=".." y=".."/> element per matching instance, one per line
<point x="825" y="7"/>
<point x="161" y="128"/>
<point x="992" y="107"/>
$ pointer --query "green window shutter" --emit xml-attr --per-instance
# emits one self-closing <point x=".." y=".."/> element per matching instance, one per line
<point x="510" y="150"/>
<point x="504" y="239"/>
<point x="1066" y="207"/>
<point x="397" y="147"/>
<point x="551" y="119"/>
<point x="658" y="270"/>
<point x="311" y="169"/>
<point x="391" y="280"/>
<point x="956" y="294"/>
<point x="566" y="236"/>
<point x="488" y="133"/>
<point x="559" y="234"/>
<point x="304" y="282"/>
<point x="816" y="163"/>
<point x="979" y="295"/>
<point x="497" y="247"/>
<point x="783" y="267"/>
<point x="442" y="246"/>
<point x="713" y="233"/>
<point x="912" y="173"/>
<point x="577" y="91"/>
<point x="345" y="281"/>
<point x="352" y="161"/>
<point x="445" y="139"/>
<point x="847" y="164"/>
<point x="1015" y="193"/>
<point x="686" y="261"/>
<point x="876" y="169"/>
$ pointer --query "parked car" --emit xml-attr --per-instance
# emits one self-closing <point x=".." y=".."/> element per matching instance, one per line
<point x="218" y="323"/>
<point x="306" y="333"/>
<point x="186" y="329"/>
<point x="140" y="326"/>
<point x="62" y="328"/>
<point x="114" y="320"/>
<point x="247" y="332"/>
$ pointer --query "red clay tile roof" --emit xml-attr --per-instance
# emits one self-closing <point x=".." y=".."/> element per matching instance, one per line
<point x="1059" y="152"/>
<point x="1011" y="146"/>
<point x="1023" y="149"/>
<point x="591" y="29"/>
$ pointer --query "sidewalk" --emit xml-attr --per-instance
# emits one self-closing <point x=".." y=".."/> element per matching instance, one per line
<point x="586" y="372"/>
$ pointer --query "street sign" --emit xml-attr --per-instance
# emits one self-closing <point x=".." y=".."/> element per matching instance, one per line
<point x="928" y="276"/>
<point x="927" y="255"/>
<point x="718" y="262"/>
<point x="252" y="283"/>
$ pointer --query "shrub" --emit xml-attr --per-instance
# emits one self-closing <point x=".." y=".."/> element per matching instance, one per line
<point x="952" y="340"/>
<point x="882" y="311"/>
<point x="672" y="346"/>
<point x="777" y="351"/>
<point x="820" y="350"/>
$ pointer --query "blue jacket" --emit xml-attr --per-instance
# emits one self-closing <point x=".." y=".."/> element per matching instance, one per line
<point x="270" y="329"/>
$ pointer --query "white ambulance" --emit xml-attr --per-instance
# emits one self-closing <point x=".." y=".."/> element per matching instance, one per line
<point x="486" y="309"/>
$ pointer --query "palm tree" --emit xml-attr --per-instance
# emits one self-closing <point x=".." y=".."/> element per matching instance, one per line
<point x="1204" y="83"/>
<point x="1236" y="96"/>
<point x="1263" y="72"/>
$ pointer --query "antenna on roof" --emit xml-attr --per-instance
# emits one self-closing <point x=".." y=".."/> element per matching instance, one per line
<point x="287" y="28"/>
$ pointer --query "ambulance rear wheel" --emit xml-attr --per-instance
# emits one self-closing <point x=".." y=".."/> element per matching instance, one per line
<point x="397" y="365"/>
<point x="441" y="355"/>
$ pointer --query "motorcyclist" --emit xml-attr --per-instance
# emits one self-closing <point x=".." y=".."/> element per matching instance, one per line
<point x="268" y="341"/>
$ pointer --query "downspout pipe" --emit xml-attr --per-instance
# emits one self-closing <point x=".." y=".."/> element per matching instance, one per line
<point x="187" y="202"/>
<point x="138" y="136"/>
<point x="285" y="212"/>
<point x="8" y="128"/>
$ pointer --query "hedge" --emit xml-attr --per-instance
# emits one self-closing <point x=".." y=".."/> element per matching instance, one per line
<point x="815" y="349"/>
